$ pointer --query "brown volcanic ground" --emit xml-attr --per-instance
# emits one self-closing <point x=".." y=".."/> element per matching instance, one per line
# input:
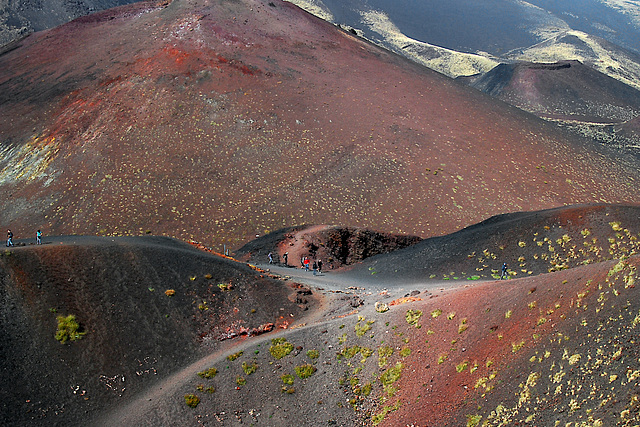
<point x="217" y="121"/>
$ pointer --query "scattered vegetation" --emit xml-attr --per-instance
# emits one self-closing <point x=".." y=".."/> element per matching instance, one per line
<point x="170" y="292"/>
<point x="391" y="375"/>
<point x="287" y="379"/>
<point x="462" y="366"/>
<point x="383" y="354"/>
<point x="363" y="326"/>
<point x="463" y="326"/>
<point x="249" y="368"/>
<point x="225" y="286"/>
<point x="379" y="417"/>
<point x="313" y="354"/>
<point x="473" y="420"/>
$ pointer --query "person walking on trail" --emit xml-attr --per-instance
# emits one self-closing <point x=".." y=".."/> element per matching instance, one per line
<point x="38" y="237"/>
<point x="286" y="258"/>
<point x="319" y="266"/>
<point x="503" y="273"/>
<point x="9" y="238"/>
<point x="270" y="258"/>
<point x="315" y="268"/>
<point x="306" y="264"/>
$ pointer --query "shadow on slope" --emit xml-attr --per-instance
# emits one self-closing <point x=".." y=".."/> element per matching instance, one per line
<point x="135" y="333"/>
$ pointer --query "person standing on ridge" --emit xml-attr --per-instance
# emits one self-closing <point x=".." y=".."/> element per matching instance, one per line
<point x="286" y="259"/>
<point x="9" y="238"/>
<point x="503" y="273"/>
<point x="38" y="237"/>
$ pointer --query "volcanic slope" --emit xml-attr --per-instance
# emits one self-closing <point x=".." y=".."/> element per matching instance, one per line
<point x="568" y="93"/>
<point x="216" y="121"/>
<point x="18" y="18"/>
<point x="551" y="347"/>
<point x="530" y="243"/>
<point x="147" y="307"/>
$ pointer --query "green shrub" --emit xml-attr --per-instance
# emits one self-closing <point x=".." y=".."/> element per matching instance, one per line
<point x="391" y="375"/>
<point x="191" y="400"/>
<point x="383" y="354"/>
<point x="280" y="348"/>
<point x="68" y="329"/>
<point x="305" y="371"/>
<point x="413" y="316"/>
<point x="234" y="356"/>
<point x="313" y="354"/>
<point x="249" y="368"/>
<point x="287" y="379"/>
<point x="362" y="329"/>
<point x="209" y="373"/>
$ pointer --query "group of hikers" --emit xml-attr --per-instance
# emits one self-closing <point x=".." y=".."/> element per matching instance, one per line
<point x="316" y="267"/>
<point x="10" y="238"/>
<point x="305" y="263"/>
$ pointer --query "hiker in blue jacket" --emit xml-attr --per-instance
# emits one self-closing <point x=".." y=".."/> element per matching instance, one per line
<point x="503" y="273"/>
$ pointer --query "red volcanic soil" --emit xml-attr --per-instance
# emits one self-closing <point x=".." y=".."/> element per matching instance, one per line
<point x="135" y="334"/>
<point x="216" y="121"/>
<point x="559" y="347"/>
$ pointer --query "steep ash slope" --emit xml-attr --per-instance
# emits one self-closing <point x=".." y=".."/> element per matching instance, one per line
<point x="217" y="121"/>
